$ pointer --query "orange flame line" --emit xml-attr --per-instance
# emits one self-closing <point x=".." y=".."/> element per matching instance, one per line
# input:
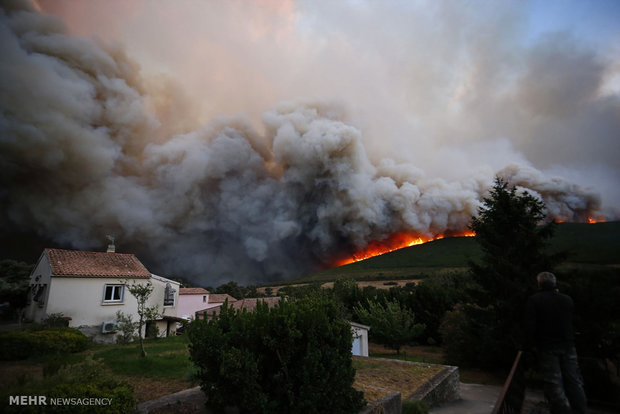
<point x="395" y="242"/>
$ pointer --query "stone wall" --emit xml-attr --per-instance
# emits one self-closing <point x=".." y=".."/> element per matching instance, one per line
<point x="390" y="404"/>
<point x="442" y="388"/>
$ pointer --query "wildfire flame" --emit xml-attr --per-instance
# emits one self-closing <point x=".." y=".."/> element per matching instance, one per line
<point x="402" y="240"/>
<point x="395" y="242"/>
<point x="590" y="220"/>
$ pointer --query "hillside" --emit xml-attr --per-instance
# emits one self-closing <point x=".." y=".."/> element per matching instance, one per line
<point x="586" y="244"/>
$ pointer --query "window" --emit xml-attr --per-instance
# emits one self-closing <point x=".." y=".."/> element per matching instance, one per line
<point x="113" y="293"/>
<point x="38" y="291"/>
<point x="169" y="295"/>
<point x="204" y="298"/>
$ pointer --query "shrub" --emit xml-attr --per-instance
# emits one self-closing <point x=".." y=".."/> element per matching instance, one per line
<point x="152" y="331"/>
<point x="56" y="320"/>
<point x="433" y="297"/>
<point x="415" y="407"/>
<point x="293" y="358"/>
<point x="24" y="344"/>
<point x="87" y="379"/>
<point x="462" y="336"/>
<point x="127" y="328"/>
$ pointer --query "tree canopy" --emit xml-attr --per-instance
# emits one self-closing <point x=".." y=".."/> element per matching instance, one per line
<point x="14" y="285"/>
<point x="391" y="324"/>
<point x="514" y="237"/>
<point x="292" y="358"/>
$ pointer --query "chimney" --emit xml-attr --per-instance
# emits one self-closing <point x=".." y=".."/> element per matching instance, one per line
<point x="111" y="247"/>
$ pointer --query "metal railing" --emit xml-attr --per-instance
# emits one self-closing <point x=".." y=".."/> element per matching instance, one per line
<point x="510" y="400"/>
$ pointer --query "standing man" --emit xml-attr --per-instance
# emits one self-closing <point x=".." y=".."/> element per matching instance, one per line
<point x="549" y="323"/>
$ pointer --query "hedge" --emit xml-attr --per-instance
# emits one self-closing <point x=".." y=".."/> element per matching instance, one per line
<point x="24" y="344"/>
<point x="83" y="388"/>
<point x="293" y="358"/>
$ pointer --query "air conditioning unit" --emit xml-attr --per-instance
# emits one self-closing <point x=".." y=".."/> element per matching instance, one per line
<point x="109" y="327"/>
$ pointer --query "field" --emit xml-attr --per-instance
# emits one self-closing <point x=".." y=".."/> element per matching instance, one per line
<point x="587" y="246"/>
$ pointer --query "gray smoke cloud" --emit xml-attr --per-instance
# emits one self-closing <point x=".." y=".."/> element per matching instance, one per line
<point x="90" y="147"/>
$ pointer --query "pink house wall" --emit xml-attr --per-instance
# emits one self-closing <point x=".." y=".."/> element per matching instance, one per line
<point x="189" y="304"/>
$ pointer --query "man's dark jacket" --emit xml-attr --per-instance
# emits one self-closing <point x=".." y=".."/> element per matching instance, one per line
<point x="549" y="320"/>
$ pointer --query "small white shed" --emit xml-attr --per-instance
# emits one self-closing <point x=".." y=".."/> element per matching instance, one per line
<point x="360" y="339"/>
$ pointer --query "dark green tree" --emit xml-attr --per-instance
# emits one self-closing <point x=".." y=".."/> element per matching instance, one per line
<point x="433" y="297"/>
<point x="514" y="238"/>
<point x="511" y="233"/>
<point x="14" y="286"/>
<point x="348" y="294"/>
<point x="233" y="289"/>
<point x="292" y="358"/>
<point x="391" y="324"/>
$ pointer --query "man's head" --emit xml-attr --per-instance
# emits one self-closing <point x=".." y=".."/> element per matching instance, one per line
<point x="546" y="280"/>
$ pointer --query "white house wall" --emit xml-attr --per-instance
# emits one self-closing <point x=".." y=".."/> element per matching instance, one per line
<point x="82" y="300"/>
<point x="41" y="275"/>
<point x="159" y="290"/>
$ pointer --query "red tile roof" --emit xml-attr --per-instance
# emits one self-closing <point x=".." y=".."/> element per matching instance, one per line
<point x="221" y="298"/>
<point x="75" y="263"/>
<point x="248" y="304"/>
<point x="193" y="291"/>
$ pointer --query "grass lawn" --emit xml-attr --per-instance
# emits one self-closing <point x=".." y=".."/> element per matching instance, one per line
<point x="167" y="369"/>
<point x="434" y="355"/>
<point x="167" y="358"/>
<point x="379" y="377"/>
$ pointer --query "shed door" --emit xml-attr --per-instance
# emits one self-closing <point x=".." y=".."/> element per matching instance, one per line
<point x="357" y="346"/>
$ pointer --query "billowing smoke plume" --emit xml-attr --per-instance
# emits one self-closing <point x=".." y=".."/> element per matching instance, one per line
<point x="88" y="149"/>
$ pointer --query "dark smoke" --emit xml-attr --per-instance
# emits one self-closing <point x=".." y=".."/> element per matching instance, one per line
<point x="85" y="153"/>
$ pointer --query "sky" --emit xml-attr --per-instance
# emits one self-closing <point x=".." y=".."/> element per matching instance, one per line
<point x="432" y="67"/>
<point x="263" y="138"/>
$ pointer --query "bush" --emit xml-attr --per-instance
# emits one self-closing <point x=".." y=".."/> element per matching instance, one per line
<point x="462" y="335"/>
<point x="415" y="407"/>
<point x="433" y="297"/>
<point x="56" y="320"/>
<point x="152" y="331"/>
<point x="24" y="344"/>
<point x="293" y="358"/>
<point x="456" y="339"/>
<point x="127" y="328"/>
<point x="87" y="379"/>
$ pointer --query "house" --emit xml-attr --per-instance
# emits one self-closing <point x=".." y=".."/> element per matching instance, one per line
<point x="89" y="288"/>
<point x="218" y="299"/>
<point x="360" y="339"/>
<point x="191" y="300"/>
